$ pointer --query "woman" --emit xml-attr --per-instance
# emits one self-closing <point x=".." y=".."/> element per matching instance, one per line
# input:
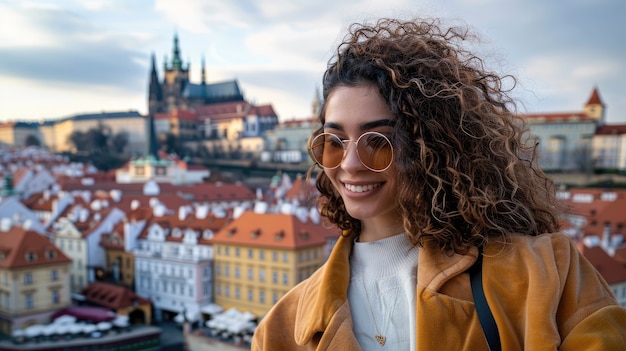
<point x="425" y="169"/>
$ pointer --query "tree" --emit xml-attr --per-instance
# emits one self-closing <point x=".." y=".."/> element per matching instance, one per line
<point x="119" y="142"/>
<point x="80" y="141"/>
<point x="99" y="147"/>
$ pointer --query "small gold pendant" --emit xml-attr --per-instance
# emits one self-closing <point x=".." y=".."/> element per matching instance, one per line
<point x="381" y="339"/>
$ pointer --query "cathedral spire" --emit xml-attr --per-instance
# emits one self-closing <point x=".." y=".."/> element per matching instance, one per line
<point x="155" y="95"/>
<point x="177" y="62"/>
<point x="203" y="73"/>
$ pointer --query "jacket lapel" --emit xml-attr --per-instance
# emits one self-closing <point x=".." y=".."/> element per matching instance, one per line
<point x="324" y="296"/>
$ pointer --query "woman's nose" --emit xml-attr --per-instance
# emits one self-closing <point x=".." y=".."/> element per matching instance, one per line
<point x="351" y="159"/>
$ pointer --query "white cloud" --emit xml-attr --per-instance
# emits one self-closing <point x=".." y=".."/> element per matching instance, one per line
<point x="198" y="16"/>
<point x="24" y="21"/>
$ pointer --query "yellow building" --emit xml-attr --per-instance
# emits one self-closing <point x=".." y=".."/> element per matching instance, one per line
<point x="18" y="133"/>
<point x="34" y="279"/>
<point x="55" y="134"/>
<point x="260" y="256"/>
<point x="120" y="264"/>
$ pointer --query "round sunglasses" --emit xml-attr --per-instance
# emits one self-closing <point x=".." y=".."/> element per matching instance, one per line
<point x="373" y="149"/>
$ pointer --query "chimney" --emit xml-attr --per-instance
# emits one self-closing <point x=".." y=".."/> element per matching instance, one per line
<point x="5" y="224"/>
<point x="606" y="236"/>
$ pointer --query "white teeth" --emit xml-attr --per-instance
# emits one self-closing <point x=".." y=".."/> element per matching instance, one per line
<point x="361" y="188"/>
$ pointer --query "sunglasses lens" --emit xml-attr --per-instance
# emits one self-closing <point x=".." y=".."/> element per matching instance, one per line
<point x="375" y="151"/>
<point x="327" y="150"/>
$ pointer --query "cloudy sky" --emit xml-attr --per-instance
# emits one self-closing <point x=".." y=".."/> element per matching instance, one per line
<point x="60" y="58"/>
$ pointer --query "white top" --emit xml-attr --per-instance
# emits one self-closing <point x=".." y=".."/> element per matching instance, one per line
<point x="387" y="268"/>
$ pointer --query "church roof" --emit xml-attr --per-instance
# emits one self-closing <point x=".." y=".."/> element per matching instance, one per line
<point x="222" y="91"/>
<point x="101" y="115"/>
<point x="594" y="99"/>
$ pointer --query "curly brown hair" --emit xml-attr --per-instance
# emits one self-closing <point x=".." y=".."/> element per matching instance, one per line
<point x="466" y="170"/>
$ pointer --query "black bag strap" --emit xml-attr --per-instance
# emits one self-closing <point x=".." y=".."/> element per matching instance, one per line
<point x="490" y="329"/>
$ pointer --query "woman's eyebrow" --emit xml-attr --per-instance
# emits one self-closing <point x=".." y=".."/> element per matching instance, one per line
<point x="365" y="126"/>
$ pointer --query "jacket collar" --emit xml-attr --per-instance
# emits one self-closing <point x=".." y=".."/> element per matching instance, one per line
<point x="326" y="294"/>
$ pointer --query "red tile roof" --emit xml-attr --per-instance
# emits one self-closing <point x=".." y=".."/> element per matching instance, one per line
<point x="199" y="225"/>
<point x="274" y="231"/>
<point x="26" y="248"/>
<point x="216" y="192"/>
<point x="611" y="270"/>
<point x="614" y="129"/>
<point x="558" y="117"/>
<point x="111" y="296"/>
<point x="230" y="110"/>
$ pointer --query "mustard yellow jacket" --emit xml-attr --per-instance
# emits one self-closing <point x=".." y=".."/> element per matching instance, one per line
<point x="544" y="295"/>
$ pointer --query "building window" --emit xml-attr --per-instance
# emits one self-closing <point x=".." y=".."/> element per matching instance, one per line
<point x="28" y="278"/>
<point x="227" y="271"/>
<point x="275" y="277"/>
<point x="285" y="257"/>
<point x="237" y="272"/>
<point x="262" y="296"/>
<point x="218" y="269"/>
<point x="29" y="302"/>
<point x="250" y="253"/>
<point x="56" y="297"/>
<point x="218" y="290"/>
<point x="274" y="256"/>
<point x="54" y="275"/>
<point x="219" y="250"/>
<point x="285" y="279"/>
<point x="250" y="274"/>
<point x="261" y="254"/>
<point x="262" y="275"/>
<point x="227" y="291"/>
<point x="227" y="251"/>
<point x="237" y="252"/>
<point x="274" y="297"/>
<point x="250" y="294"/>
<point x="237" y="293"/>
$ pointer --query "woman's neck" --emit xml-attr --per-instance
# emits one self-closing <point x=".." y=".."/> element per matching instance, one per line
<point x="374" y="231"/>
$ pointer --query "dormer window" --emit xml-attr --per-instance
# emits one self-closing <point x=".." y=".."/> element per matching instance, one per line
<point x="207" y="234"/>
<point x="51" y="254"/>
<point x="279" y="236"/>
<point x="30" y="256"/>
<point x="176" y="233"/>
<point x="255" y="233"/>
<point x="231" y="232"/>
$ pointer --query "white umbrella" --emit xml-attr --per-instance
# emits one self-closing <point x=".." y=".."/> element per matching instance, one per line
<point x="212" y="309"/>
<point x="34" y="330"/>
<point x="248" y="316"/>
<point x="179" y="318"/>
<point x="49" y="329"/>
<point x="89" y="328"/>
<point x="75" y="328"/>
<point x="62" y="329"/>
<point x="121" y="321"/>
<point x="102" y="326"/>
<point x="192" y="315"/>
<point x="65" y="319"/>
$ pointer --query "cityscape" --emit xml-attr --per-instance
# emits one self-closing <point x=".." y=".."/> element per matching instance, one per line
<point x="180" y="228"/>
